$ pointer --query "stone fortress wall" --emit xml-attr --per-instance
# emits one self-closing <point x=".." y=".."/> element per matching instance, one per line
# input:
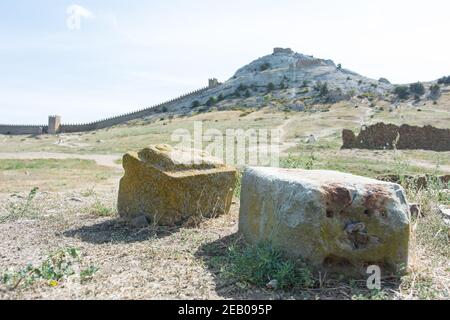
<point x="387" y="136"/>
<point x="23" y="129"/>
<point x="55" y="126"/>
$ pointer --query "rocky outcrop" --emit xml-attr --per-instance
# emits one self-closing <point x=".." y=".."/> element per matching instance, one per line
<point x="284" y="66"/>
<point x="169" y="185"/>
<point x="335" y="221"/>
<point x="385" y="136"/>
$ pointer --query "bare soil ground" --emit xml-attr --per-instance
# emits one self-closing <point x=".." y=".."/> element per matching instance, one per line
<point x="164" y="263"/>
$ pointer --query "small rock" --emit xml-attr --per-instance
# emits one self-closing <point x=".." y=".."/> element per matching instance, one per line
<point x="273" y="285"/>
<point x="445" y="211"/>
<point x="76" y="199"/>
<point x="140" y="222"/>
<point x="311" y="139"/>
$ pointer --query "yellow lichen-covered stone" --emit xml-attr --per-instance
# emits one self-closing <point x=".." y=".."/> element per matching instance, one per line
<point x="170" y="185"/>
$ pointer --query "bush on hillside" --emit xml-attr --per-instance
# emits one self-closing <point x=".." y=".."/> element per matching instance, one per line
<point x="444" y="80"/>
<point x="265" y="66"/>
<point x="402" y="92"/>
<point x="417" y="89"/>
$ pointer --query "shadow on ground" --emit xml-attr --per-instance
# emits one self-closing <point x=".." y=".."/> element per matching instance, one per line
<point x="118" y="231"/>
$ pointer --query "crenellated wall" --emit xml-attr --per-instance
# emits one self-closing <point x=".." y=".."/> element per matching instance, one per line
<point x="184" y="101"/>
<point x="22" y="129"/>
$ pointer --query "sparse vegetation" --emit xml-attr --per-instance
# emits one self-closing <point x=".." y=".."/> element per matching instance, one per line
<point x="101" y="210"/>
<point x="53" y="270"/>
<point x="258" y="265"/>
<point x="21" y="209"/>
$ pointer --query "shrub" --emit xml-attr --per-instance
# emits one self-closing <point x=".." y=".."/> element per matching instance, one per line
<point x="265" y="66"/>
<point x="339" y="66"/>
<point x="444" y="80"/>
<point x="195" y="104"/>
<point x="242" y="87"/>
<point x="417" y="89"/>
<point x="164" y="109"/>
<point x="270" y="87"/>
<point x="220" y="97"/>
<point x="402" y="92"/>
<point x="435" y="90"/>
<point x="211" y="101"/>
<point x="247" y="93"/>
<point x="321" y="88"/>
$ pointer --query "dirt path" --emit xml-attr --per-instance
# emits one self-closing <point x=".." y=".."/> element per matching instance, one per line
<point x="106" y="160"/>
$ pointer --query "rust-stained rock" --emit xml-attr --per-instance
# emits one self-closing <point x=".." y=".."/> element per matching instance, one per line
<point x="385" y="136"/>
<point x="335" y="221"/>
<point x="169" y="185"/>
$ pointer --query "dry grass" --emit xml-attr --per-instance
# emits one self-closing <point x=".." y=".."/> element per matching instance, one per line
<point x="185" y="262"/>
<point x="53" y="174"/>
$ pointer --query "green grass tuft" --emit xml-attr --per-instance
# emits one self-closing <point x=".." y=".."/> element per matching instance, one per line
<point x="260" y="264"/>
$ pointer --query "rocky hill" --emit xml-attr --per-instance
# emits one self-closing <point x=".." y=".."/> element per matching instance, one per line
<point x="313" y="79"/>
<point x="297" y="81"/>
<point x="292" y="69"/>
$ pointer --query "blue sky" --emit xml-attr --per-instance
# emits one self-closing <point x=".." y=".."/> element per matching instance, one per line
<point x="136" y="53"/>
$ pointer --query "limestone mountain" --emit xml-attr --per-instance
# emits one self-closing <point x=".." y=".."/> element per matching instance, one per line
<point x="292" y="68"/>
<point x="316" y="79"/>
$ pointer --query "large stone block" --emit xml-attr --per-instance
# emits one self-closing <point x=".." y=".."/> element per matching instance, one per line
<point x="335" y="221"/>
<point x="171" y="185"/>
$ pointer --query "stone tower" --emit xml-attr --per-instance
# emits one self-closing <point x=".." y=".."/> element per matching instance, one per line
<point x="212" y="83"/>
<point x="54" y="124"/>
